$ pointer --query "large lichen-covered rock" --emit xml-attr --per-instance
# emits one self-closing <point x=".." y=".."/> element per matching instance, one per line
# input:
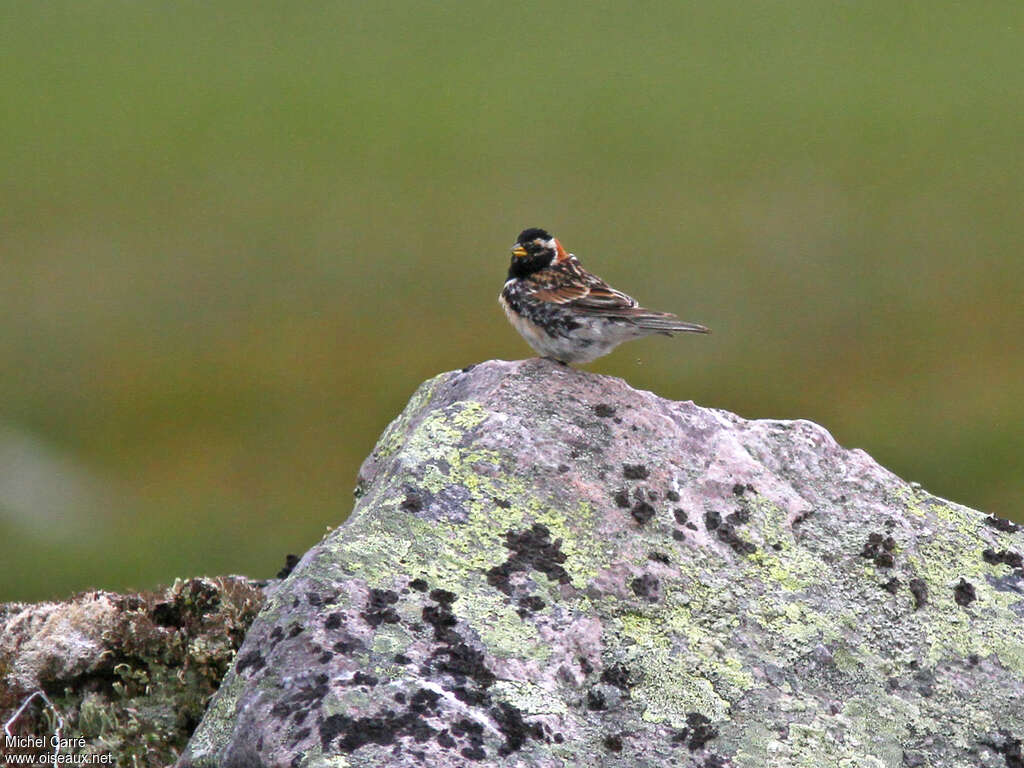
<point x="546" y="567"/>
<point x="129" y="674"/>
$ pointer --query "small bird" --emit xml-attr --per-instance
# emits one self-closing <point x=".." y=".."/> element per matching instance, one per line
<point x="566" y="313"/>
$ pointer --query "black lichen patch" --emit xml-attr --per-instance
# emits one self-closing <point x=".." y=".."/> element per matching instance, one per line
<point x="290" y="561"/>
<point x="635" y="472"/>
<point x="739" y="489"/>
<point x="680" y="516"/>
<point x="378" y="608"/>
<point x="528" y="605"/>
<point x="445" y="739"/>
<point x="871" y="546"/>
<point x="678" y="535"/>
<point x="964" y="593"/>
<point x="622" y="499"/>
<point x="474" y="752"/>
<point x="461" y="662"/>
<point x="596" y="700"/>
<point x="386" y="728"/>
<point x="414" y="501"/>
<point x="646" y="586"/>
<point x="401" y="658"/>
<point x="418" y="584"/>
<point x="712" y="520"/>
<point x="716" y="761"/>
<point x="642" y="512"/>
<point x="441" y="619"/>
<point x="701" y="730"/>
<point x="473" y="732"/>
<point x="513" y="727"/>
<point x="892" y="585"/>
<point x="333" y="621"/>
<point x="885" y="560"/>
<point x="1012" y="559"/>
<point x="617" y="675"/>
<point x="727" y="532"/>
<point x="920" y="592"/>
<point x="613" y="743"/>
<point x="802" y="518"/>
<point x="604" y="411"/>
<point x="879" y="547"/>
<point x="531" y="549"/>
<point x="739" y="517"/>
<point x="307" y="695"/>
<point x="658" y="557"/>
<point x="453" y="656"/>
<point x="424" y="700"/>
<point x="475" y="697"/>
<point x="443" y="596"/>
<point x="671" y="495"/>
<point x="348" y="645"/>
<point x="1001" y="525"/>
<point x="1010" y="749"/>
<point x="250" y="660"/>
<point x="361" y="678"/>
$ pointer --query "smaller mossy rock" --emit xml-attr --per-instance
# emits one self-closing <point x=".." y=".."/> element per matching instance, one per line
<point x="129" y="674"/>
<point x="546" y="568"/>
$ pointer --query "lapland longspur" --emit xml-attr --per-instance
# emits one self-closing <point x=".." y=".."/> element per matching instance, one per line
<point x="568" y="314"/>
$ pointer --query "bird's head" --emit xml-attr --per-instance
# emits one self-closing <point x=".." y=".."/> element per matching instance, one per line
<point x="535" y="249"/>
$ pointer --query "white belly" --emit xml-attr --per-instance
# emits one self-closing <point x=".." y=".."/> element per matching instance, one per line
<point x="586" y="344"/>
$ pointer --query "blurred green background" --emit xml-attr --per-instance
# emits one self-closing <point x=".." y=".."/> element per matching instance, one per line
<point x="237" y="236"/>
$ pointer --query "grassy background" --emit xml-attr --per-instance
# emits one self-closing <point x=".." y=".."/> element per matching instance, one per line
<point x="236" y="237"/>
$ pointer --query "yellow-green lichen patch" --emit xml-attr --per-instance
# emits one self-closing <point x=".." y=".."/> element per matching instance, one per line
<point x="395" y="433"/>
<point x="676" y="680"/>
<point x="584" y="552"/>
<point x="390" y="639"/>
<point x="499" y="627"/>
<point x="989" y="624"/>
<point x="441" y="432"/>
<point x="219" y="720"/>
<point x="706" y="646"/>
<point x="791" y="568"/>
<point x="454" y="555"/>
<point x="529" y="697"/>
<point x="315" y="758"/>
<point x="867" y="732"/>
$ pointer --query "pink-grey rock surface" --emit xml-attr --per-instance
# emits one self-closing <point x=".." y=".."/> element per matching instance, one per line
<point x="546" y="567"/>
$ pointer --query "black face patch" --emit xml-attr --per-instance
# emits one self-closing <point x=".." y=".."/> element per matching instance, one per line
<point x="535" y="260"/>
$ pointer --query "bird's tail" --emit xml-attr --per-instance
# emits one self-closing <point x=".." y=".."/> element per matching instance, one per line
<point x="658" y="322"/>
